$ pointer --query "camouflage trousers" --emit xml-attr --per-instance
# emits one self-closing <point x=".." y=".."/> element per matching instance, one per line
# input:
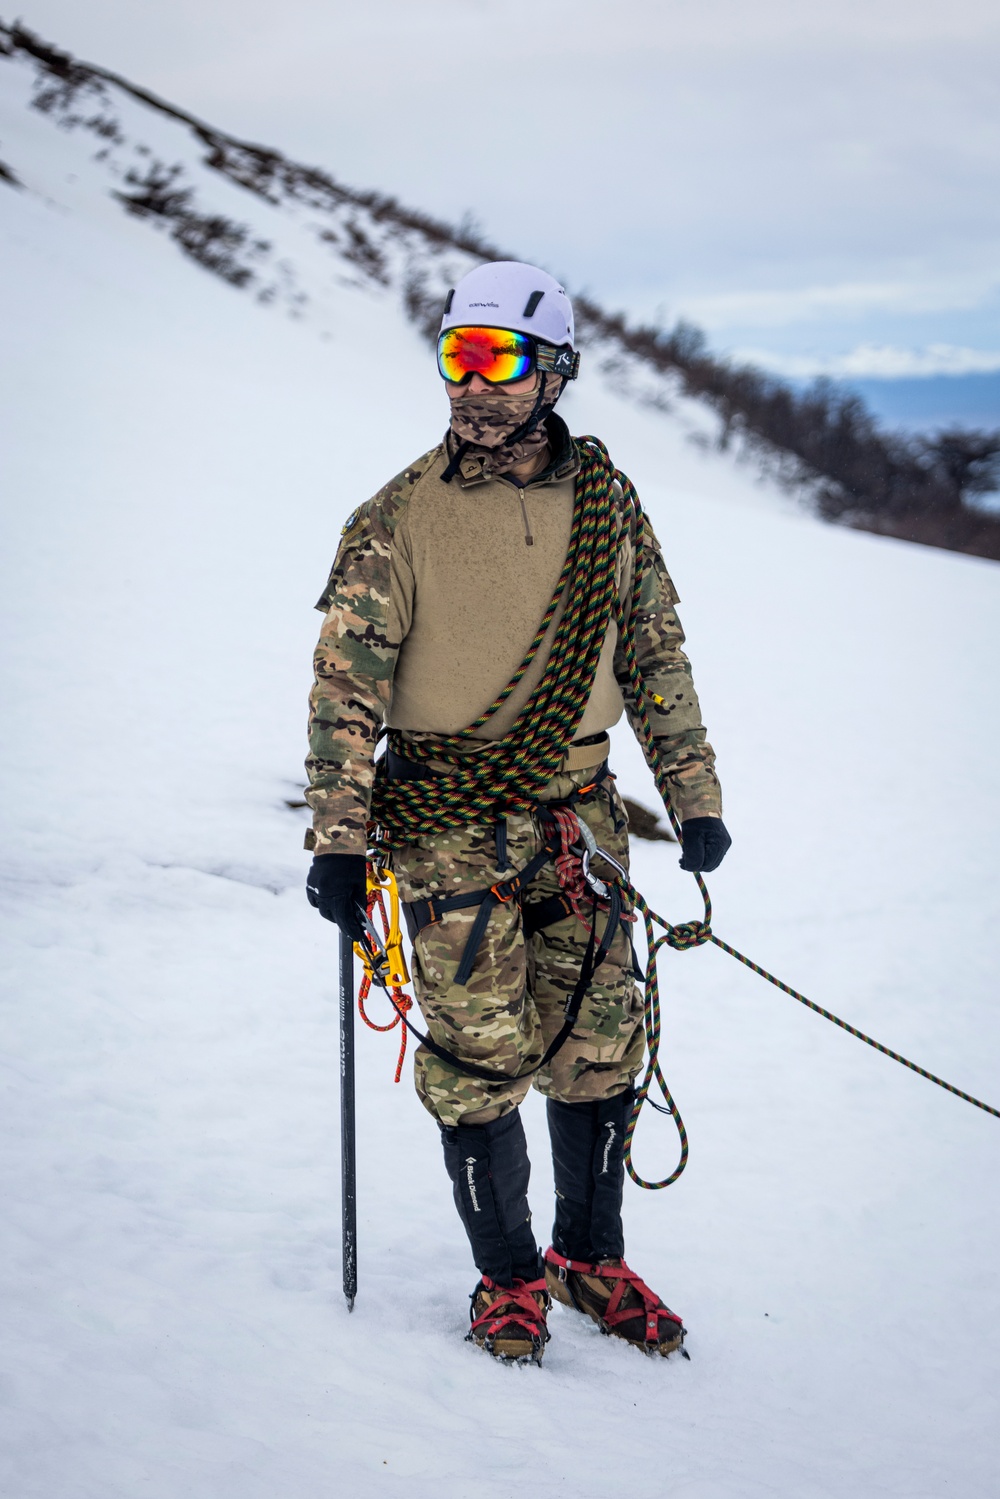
<point x="513" y="1004"/>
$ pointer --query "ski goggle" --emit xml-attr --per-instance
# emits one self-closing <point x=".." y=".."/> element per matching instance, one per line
<point x="500" y="355"/>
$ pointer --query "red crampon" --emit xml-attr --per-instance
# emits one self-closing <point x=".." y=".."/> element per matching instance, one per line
<point x="511" y="1324"/>
<point x="663" y="1330"/>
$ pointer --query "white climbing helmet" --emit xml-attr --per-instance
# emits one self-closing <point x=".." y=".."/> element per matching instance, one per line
<point x="510" y="294"/>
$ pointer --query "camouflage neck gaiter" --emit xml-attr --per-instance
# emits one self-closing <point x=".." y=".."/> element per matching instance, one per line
<point x="487" y="420"/>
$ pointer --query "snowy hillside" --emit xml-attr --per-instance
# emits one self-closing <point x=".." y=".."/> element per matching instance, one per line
<point x="289" y="236"/>
<point x="177" y="461"/>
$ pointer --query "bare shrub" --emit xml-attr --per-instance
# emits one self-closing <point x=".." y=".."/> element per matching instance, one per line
<point x="214" y="241"/>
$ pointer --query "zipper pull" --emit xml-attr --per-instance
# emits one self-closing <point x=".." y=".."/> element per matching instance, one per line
<point x="529" y="540"/>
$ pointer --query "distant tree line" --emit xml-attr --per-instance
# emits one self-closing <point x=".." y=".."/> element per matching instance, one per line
<point x="925" y="488"/>
<point x="823" y="439"/>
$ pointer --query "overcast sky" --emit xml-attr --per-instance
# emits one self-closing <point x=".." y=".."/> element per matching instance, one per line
<point x="816" y="183"/>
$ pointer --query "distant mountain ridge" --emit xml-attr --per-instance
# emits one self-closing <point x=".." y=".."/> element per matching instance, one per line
<point x="239" y="209"/>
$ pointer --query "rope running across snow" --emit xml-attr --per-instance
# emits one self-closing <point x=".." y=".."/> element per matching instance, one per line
<point x="696" y="933"/>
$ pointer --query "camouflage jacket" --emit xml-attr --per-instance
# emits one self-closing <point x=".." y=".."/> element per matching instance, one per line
<point x="429" y="606"/>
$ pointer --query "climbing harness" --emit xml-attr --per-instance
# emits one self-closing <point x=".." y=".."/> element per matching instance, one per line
<point x="420" y="914"/>
<point x="508" y="774"/>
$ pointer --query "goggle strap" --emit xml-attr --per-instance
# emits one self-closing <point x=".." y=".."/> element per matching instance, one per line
<point x="565" y="362"/>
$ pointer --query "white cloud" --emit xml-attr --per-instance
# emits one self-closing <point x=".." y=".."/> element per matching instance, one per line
<point x="880" y="361"/>
<point x="780" y="308"/>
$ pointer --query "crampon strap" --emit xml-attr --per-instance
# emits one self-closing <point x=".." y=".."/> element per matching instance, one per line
<point x="652" y="1308"/>
<point x="512" y="1306"/>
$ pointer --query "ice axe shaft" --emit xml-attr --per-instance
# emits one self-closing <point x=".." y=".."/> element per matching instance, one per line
<point x="348" y="1173"/>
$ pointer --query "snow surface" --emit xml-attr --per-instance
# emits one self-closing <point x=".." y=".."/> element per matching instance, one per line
<point x="177" y="463"/>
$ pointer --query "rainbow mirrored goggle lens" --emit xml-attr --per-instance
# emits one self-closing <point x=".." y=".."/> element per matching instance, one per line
<point x="500" y="355"/>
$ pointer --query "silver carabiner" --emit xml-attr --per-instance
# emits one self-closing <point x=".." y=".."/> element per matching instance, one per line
<point x="591" y="850"/>
<point x="602" y="853"/>
<point x="598" y="886"/>
<point x="377" y="957"/>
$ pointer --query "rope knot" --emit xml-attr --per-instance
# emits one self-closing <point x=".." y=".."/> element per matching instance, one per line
<point x="689" y="934"/>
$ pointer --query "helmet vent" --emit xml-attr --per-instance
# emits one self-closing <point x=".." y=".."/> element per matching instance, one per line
<point x="532" y="303"/>
<point x="448" y="301"/>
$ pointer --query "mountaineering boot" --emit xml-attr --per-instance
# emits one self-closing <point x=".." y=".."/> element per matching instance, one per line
<point x="585" y="1268"/>
<point x="509" y="1321"/>
<point x="489" y="1169"/>
<point x="614" y="1297"/>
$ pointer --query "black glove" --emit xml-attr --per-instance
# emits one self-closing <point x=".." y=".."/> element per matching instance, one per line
<point x="337" y="887"/>
<point x="705" y="844"/>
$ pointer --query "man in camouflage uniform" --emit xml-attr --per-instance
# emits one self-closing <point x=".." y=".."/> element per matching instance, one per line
<point x="436" y="592"/>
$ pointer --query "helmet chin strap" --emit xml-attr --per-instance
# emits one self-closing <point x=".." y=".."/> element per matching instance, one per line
<point x="452" y="468"/>
<point x="536" y="413"/>
<point x="517" y="435"/>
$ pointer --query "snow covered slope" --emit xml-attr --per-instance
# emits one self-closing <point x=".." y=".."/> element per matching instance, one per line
<point x="289" y="235"/>
<point x="177" y="461"/>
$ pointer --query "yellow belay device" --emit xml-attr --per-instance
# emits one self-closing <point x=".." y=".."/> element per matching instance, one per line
<point x="382" y="956"/>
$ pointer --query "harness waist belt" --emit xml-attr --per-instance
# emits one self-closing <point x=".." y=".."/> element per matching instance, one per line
<point x="587" y="753"/>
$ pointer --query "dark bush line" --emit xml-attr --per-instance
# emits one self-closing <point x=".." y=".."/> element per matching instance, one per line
<point x="823" y="439"/>
<point x="919" y="488"/>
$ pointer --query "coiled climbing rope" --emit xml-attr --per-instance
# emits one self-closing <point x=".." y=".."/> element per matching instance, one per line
<point x="509" y="773"/>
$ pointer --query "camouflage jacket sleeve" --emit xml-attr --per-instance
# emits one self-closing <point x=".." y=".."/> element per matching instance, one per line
<point x="354" y="663"/>
<point x="685" y="754"/>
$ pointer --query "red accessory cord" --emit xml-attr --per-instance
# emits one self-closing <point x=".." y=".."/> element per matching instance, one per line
<point x="402" y="1002"/>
